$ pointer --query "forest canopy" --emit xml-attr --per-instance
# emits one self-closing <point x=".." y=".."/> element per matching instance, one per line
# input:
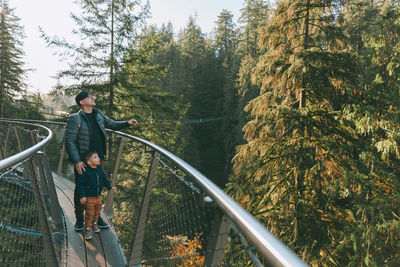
<point x="293" y="110"/>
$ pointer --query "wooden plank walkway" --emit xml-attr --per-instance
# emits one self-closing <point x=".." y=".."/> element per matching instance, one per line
<point x="102" y="250"/>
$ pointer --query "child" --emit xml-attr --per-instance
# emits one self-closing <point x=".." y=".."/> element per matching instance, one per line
<point x="90" y="184"/>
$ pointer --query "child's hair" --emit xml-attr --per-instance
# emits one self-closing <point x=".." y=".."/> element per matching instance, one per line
<point x="87" y="156"/>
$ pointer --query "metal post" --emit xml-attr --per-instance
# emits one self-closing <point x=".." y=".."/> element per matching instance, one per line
<point x="60" y="160"/>
<point x="108" y="206"/>
<point x="33" y="138"/>
<point x="219" y="234"/>
<point x="56" y="214"/>
<point x="49" y="248"/>
<point x="18" y="139"/>
<point x="6" y="140"/>
<point x="135" y="256"/>
<point x="56" y="211"/>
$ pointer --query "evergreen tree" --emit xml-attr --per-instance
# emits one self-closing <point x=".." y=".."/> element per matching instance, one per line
<point x="107" y="29"/>
<point x="200" y="87"/>
<point x="254" y="16"/>
<point x="139" y="91"/>
<point x="160" y="113"/>
<point x="374" y="33"/>
<point x="226" y="43"/>
<point x="225" y="35"/>
<point x="169" y="56"/>
<point x="11" y="65"/>
<point x="298" y="163"/>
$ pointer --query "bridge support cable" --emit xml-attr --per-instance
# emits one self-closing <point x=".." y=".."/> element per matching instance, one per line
<point x="33" y="227"/>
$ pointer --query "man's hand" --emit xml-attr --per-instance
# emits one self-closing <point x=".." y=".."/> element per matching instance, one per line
<point x="80" y="167"/>
<point x="83" y="200"/>
<point x="113" y="188"/>
<point x="133" y="122"/>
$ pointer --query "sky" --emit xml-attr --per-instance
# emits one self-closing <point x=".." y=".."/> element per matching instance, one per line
<point x="53" y="16"/>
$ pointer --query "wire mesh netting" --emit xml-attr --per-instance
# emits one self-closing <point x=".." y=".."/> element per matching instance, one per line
<point x="178" y="222"/>
<point x="32" y="229"/>
<point x="181" y="225"/>
<point x="20" y="235"/>
<point x="160" y="215"/>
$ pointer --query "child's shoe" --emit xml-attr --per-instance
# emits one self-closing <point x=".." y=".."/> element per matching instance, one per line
<point x="95" y="228"/>
<point x="88" y="233"/>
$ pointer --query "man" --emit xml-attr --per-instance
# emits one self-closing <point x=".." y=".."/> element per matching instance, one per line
<point x="86" y="131"/>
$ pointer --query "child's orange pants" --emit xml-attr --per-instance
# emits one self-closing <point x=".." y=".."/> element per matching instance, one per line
<point x="92" y="210"/>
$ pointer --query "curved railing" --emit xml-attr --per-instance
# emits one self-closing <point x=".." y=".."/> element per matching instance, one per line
<point x="14" y="159"/>
<point x="265" y="243"/>
<point x="31" y="220"/>
<point x="183" y="217"/>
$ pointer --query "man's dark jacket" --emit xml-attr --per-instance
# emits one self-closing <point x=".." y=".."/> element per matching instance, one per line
<point x="91" y="182"/>
<point x="77" y="133"/>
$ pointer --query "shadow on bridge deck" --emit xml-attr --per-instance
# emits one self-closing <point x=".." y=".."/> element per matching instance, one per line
<point x="102" y="250"/>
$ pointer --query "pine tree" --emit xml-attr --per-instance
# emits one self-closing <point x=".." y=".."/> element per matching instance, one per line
<point x="160" y="113"/>
<point x="225" y="35"/>
<point x="298" y="158"/>
<point x="374" y="33"/>
<point x="254" y="15"/>
<point x="226" y="43"/>
<point x="169" y="56"/>
<point x="139" y="91"/>
<point x="200" y="87"/>
<point x="107" y="29"/>
<point x="253" y="18"/>
<point x="11" y="54"/>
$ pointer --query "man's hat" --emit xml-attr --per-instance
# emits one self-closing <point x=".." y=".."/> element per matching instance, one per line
<point x="80" y="96"/>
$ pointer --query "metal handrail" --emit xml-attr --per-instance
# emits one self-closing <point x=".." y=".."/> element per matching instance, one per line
<point x="269" y="246"/>
<point x="14" y="159"/>
<point x="276" y="252"/>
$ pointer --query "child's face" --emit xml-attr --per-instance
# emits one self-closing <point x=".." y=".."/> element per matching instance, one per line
<point x="94" y="160"/>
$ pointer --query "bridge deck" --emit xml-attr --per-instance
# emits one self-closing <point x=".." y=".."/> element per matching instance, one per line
<point x="102" y="250"/>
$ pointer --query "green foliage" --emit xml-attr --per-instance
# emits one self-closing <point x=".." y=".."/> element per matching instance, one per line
<point x="319" y="165"/>
<point x="314" y="86"/>
<point x="108" y="29"/>
<point x="375" y="115"/>
<point x="12" y="83"/>
<point x="253" y="19"/>
<point x="254" y="16"/>
<point x="22" y="110"/>
<point x="226" y="45"/>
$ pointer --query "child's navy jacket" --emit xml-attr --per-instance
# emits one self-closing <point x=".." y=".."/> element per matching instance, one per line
<point x="91" y="182"/>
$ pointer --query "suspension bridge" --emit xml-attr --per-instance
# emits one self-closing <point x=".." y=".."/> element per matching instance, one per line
<point x="165" y="212"/>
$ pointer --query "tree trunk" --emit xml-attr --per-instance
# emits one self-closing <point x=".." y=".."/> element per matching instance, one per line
<point x="111" y="103"/>
<point x="302" y="97"/>
<point x="2" y="87"/>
